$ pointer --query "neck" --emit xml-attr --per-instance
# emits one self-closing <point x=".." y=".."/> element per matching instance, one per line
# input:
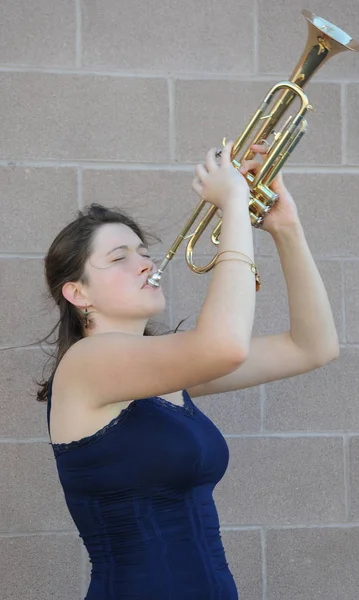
<point x="101" y="324"/>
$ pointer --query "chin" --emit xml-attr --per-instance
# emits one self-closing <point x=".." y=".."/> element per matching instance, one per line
<point x="152" y="304"/>
<point x="159" y="309"/>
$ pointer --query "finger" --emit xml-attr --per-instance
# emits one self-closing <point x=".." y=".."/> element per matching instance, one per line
<point x="250" y="165"/>
<point x="226" y="154"/>
<point x="197" y="186"/>
<point x="201" y="172"/>
<point x="211" y="161"/>
<point x="260" y="148"/>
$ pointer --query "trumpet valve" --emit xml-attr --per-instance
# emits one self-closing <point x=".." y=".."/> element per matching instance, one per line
<point x="257" y="207"/>
<point x="256" y="221"/>
<point x="262" y="194"/>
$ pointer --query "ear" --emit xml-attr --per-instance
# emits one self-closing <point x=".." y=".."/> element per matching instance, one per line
<point x="73" y="293"/>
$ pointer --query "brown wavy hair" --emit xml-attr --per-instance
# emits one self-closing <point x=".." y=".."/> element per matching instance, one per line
<point x="64" y="262"/>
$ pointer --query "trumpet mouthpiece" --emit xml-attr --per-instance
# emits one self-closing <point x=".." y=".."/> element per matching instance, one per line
<point x="155" y="279"/>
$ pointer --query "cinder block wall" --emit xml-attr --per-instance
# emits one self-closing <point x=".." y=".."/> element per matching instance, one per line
<point x="114" y="102"/>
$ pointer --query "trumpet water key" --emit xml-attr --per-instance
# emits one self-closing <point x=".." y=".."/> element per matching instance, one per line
<point x="324" y="41"/>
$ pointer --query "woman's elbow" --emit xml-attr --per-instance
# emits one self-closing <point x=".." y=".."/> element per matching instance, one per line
<point x="327" y="355"/>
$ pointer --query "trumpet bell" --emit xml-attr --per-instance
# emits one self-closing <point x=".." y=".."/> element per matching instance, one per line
<point x="324" y="41"/>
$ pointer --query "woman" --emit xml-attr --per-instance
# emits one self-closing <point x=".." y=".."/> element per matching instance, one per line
<point x="138" y="461"/>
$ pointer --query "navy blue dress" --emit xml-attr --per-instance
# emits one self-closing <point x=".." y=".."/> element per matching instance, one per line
<point x="140" y="494"/>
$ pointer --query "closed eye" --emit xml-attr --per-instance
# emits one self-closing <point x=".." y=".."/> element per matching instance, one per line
<point x="123" y="257"/>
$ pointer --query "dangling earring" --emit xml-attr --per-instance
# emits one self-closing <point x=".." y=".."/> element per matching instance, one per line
<point x="86" y="318"/>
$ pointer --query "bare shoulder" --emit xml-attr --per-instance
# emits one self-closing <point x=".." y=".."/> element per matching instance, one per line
<point x="70" y="385"/>
<point x="116" y="367"/>
<point x="76" y="411"/>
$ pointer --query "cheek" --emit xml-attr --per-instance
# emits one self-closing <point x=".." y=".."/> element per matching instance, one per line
<point x="118" y="281"/>
<point x="113" y="283"/>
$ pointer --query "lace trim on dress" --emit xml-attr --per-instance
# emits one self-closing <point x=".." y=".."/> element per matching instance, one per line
<point x="187" y="405"/>
<point x="187" y="408"/>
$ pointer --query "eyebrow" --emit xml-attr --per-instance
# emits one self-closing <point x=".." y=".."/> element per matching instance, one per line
<point x="142" y="246"/>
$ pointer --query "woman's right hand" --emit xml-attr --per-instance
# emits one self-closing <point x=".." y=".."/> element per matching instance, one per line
<point x="220" y="183"/>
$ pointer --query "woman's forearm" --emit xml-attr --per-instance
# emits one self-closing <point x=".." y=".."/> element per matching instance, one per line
<point x="228" y="309"/>
<point x="312" y="326"/>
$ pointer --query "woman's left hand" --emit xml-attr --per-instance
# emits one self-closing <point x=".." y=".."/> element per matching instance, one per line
<point x="284" y="212"/>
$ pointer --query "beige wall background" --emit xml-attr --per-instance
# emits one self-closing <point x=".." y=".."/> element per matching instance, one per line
<point x="114" y="102"/>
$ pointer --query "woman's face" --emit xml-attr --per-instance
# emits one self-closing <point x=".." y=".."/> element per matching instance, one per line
<point x="118" y="269"/>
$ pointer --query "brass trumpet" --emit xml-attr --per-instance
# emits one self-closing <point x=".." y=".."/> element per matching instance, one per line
<point x="324" y="41"/>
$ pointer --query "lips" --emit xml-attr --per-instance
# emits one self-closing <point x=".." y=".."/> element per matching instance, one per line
<point x="148" y="284"/>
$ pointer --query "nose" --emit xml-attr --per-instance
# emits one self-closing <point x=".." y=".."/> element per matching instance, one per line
<point x="146" y="264"/>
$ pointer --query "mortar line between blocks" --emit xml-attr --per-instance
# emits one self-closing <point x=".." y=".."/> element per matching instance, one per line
<point x="249" y="77"/>
<point x="274" y="526"/>
<point x="289" y="435"/>
<point x="29" y="440"/>
<point x="83" y="571"/>
<point x="343" y="303"/>
<point x="262" y="399"/>
<point x="18" y="534"/>
<point x="264" y="562"/>
<point x="118" y="165"/>
<point x="346" y="440"/>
